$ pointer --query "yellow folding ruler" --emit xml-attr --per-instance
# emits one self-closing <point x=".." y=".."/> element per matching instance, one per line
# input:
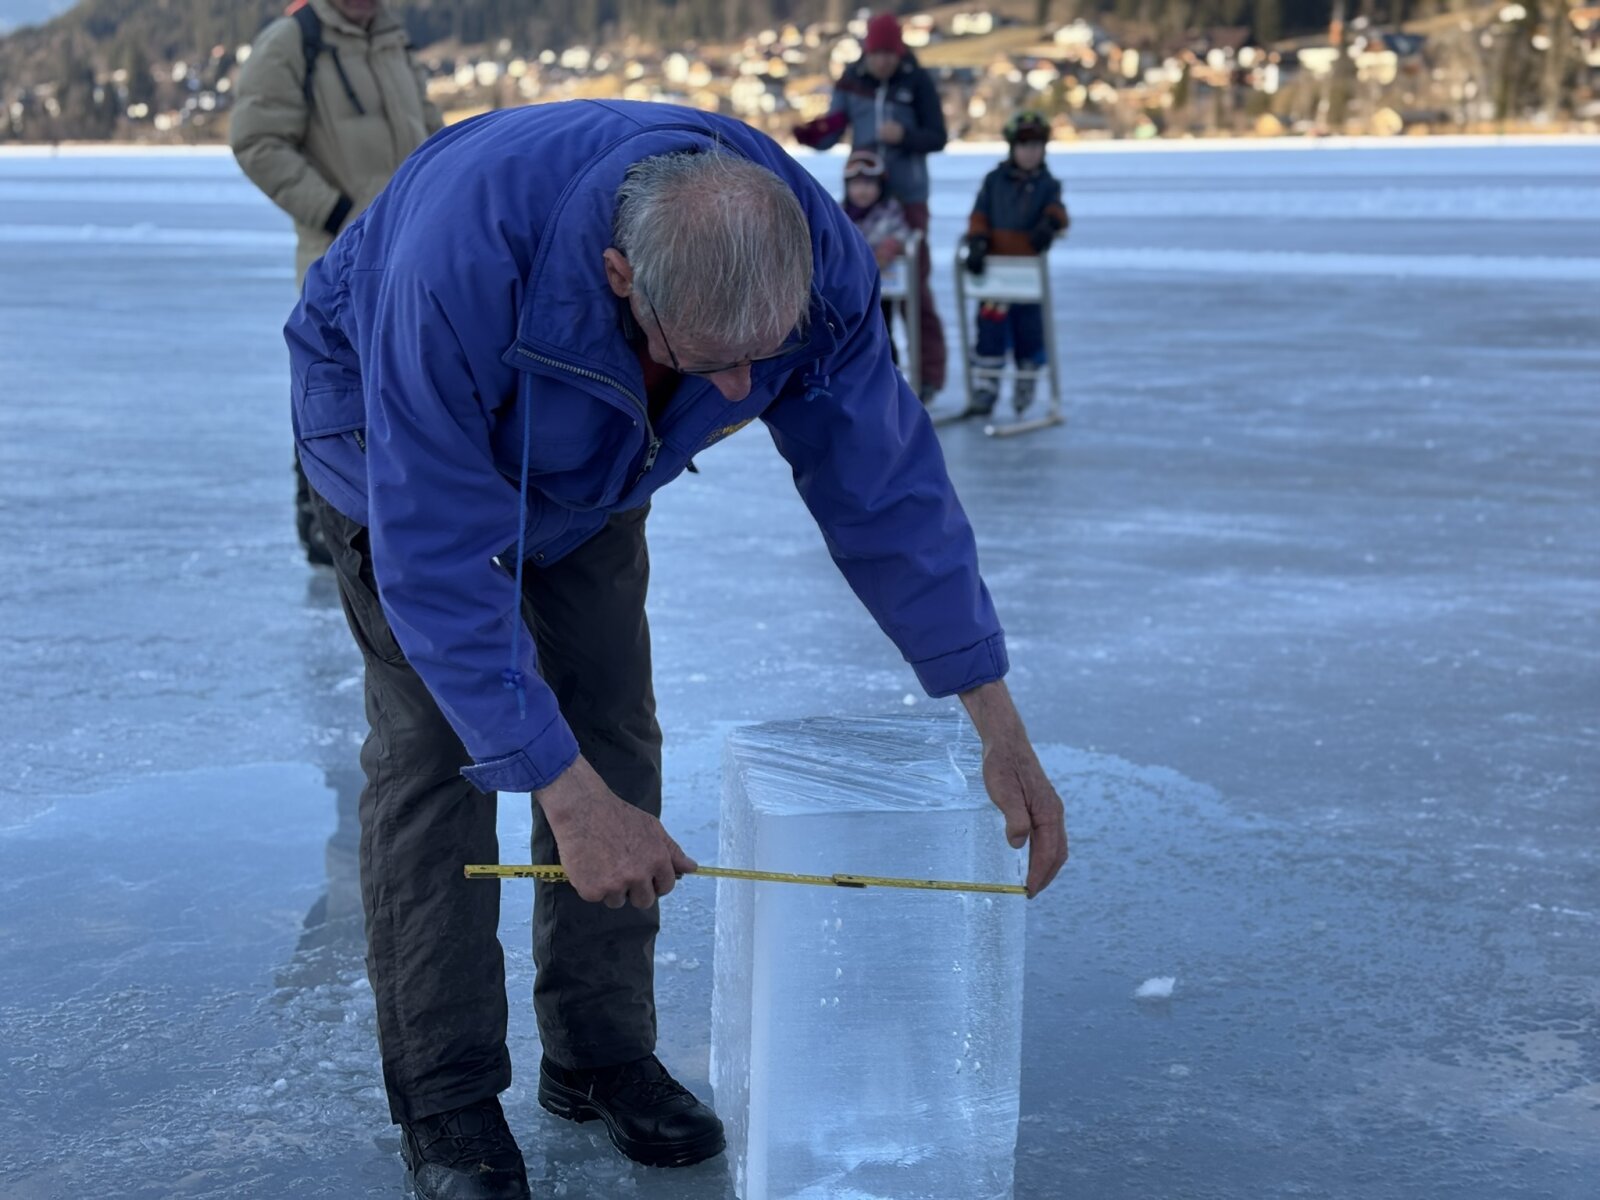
<point x="550" y="873"/>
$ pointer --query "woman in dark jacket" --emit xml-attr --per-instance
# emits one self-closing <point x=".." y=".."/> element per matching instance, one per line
<point x="891" y="105"/>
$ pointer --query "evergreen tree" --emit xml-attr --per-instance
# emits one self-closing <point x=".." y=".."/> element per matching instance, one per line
<point x="1514" y="80"/>
<point x="1556" y="84"/>
<point x="140" y="83"/>
<point x="1267" y="24"/>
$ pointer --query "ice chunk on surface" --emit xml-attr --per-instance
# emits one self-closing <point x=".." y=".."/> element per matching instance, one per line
<point x="866" y="1043"/>
<point x="1158" y="987"/>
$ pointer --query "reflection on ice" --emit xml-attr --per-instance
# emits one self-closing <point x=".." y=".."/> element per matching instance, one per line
<point x="178" y="963"/>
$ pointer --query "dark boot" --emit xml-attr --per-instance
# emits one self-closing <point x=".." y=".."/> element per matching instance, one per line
<point x="981" y="402"/>
<point x="465" y="1154"/>
<point x="1026" y="385"/>
<point x="651" y="1117"/>
<point x="316" y="546"/>
<point x="986" y="370"/>
<point x="312" y="539"/>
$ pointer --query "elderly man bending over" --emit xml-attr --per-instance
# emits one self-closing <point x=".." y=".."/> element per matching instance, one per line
<point x="538" y="324"/>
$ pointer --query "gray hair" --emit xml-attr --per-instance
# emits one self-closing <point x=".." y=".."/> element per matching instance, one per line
<point x="718" y="244"/>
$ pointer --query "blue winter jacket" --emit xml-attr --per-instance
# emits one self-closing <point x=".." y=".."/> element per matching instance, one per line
<point x="459" y="360"/>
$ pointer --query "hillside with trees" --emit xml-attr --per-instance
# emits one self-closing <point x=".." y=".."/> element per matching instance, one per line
<point x="163" y="69"/>
<point x="106" y="34"/>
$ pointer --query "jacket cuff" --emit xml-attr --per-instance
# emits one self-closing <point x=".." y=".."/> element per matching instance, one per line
<point x="336" y="218"/>
<point x="535" y="766"/>
<point x="963" y="670"/>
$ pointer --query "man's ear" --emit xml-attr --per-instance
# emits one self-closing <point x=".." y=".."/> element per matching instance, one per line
<point x="619" y="272"/>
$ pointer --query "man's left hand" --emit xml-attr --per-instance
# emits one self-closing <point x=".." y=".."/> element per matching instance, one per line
<point x="1033" y="811"/>
<point x="1017" y="783"/>
<point x="891" y="132"/>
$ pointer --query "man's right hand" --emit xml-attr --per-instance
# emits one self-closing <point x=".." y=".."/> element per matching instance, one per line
<point x="611" y="851"/>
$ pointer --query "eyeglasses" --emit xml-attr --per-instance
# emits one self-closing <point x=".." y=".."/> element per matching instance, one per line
<point x="792" y="345"/>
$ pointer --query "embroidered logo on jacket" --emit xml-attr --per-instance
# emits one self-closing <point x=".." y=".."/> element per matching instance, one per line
<point x="726" y="431"/>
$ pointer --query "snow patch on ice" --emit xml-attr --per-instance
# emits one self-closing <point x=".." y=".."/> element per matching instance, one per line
<point x="142" y="234"/>
<point x="1338" y="264"/>
<point x="1158" y="987"/>
<point x="1561" y="911"/>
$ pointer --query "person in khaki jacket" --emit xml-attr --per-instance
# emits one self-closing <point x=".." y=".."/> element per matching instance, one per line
<point x="322" y="141"/>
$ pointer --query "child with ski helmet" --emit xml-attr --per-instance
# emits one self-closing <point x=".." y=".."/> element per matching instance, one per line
<point x="878" y="215"/>
<point x="1019" y="212"/>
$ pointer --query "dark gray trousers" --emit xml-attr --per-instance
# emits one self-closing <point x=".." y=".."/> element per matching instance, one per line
<point x="433" y="956"/>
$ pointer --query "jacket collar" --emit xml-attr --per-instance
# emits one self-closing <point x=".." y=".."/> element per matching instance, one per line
<point x="383" y="21"/>
<point x="569" y="314"/>
<point x="908" y="67"/>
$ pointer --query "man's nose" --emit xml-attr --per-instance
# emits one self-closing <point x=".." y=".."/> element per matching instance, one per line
<point x="734" y="383"/>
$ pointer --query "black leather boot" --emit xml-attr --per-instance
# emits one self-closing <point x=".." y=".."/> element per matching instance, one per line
<point x="651" y="1117"/>
<point x="465" y="1154"/>
<point x="312" y="540"/>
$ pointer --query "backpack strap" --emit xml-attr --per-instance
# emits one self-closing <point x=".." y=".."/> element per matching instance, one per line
<point x="311" y="42"/>
<point x="312" y="46"/>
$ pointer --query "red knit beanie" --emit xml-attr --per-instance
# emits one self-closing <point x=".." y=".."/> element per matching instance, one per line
<point x="883" y="35"/>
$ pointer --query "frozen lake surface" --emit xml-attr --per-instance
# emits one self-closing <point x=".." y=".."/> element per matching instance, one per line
<point x="1303" y="608"/>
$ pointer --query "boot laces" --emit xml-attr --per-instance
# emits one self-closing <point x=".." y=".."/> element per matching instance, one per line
<point x="473" y="1134"/>
<point x="649" y="1081"/>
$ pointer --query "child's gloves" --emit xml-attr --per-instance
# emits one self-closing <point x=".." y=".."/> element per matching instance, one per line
<point x="1042" y="234"/>
<point x="977" y="253"/>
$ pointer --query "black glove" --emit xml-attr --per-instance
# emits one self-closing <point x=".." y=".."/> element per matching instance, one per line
<point x="977" y="254"/>
<point x="337" y="217"/>
<point x="1042" y="234"/>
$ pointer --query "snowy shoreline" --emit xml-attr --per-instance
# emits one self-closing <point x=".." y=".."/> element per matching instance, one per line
<point x="1186" y="146"/>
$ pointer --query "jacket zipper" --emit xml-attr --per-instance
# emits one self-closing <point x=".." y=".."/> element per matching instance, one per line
<point x="653" y="446"/>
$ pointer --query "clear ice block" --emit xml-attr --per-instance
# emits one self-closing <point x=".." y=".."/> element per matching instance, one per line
<point x="866" y="1045"/>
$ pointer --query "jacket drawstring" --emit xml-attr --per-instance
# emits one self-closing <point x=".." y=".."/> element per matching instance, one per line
<point x="512" y="676"/>
<point x="818" y="387"/>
